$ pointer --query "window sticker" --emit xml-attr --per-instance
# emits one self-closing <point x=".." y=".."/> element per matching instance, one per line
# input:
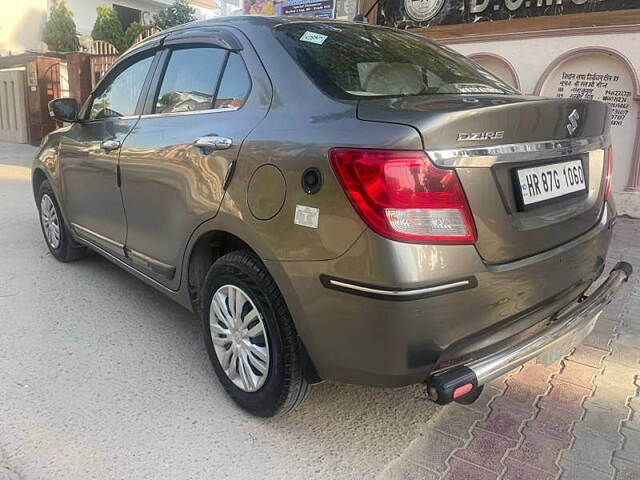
<point x="313" y="37"/>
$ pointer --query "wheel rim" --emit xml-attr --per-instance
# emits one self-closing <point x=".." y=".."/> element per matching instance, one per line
<point x="239" y="338"/>
<point x="50" y="222"/>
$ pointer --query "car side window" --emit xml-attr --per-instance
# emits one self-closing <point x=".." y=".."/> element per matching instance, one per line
<point x="120" y="97"/>
<point x="235" y="84"/>
<point x="190" y="79"/>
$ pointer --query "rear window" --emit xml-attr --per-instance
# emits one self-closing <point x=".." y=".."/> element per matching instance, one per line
<point x="353" y="61"/>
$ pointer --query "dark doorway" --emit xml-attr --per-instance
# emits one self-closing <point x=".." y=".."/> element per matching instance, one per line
<point x="127" y="15"/>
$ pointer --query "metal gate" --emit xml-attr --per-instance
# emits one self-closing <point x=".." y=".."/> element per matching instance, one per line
<point x="51" y="79"/>
<point x="103" y="55"/>
<point x="13" y="110"/>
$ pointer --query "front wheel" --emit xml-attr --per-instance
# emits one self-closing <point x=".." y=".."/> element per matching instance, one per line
<point x="56" y="234"/>
<point x="250" y="336"/>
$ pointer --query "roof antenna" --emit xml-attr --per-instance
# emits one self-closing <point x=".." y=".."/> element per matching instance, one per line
<point x="364" y="18"/>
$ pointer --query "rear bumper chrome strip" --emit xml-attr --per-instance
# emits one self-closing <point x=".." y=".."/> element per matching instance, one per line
<point x="516" y="152"/>
<point x="568" y="327"/>
<point x="397" y="294"/>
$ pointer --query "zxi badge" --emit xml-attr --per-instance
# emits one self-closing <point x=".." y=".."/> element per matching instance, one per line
<point x="573" y="118"/>
<point x="422" y="10"/>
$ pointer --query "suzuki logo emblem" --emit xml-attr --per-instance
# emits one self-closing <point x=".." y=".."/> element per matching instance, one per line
<point x="572" y="126"/>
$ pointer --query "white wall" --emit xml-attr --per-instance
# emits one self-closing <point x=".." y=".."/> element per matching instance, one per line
<point x="531" y="56"/>
<point x="84" y="11"/>
<point x="21" y="25"/>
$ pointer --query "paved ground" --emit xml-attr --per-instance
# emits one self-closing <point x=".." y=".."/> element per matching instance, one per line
<point x="578" y="419"/>
<point x="102" y="377"/>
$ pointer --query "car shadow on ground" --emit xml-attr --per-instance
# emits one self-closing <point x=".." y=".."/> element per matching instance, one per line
<point x="352" y="424"/>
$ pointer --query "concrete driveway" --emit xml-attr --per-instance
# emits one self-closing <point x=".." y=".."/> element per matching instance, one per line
<point x="103" y="377"/>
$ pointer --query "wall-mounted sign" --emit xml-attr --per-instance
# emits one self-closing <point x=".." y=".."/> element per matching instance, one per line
<point x="305" y="8"/>
<point x="32" y="75"/>
<point x="314" y="8"/>
<point x="422" y="10"/>
<point x="415" y="13"/>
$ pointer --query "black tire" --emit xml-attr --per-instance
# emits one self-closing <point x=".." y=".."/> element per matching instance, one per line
<point x="285" y="386"/>
<point x="67" y="250"/>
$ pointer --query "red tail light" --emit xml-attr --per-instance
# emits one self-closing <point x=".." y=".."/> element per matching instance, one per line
<point x="401" y="195"/>
<point x="608" y="170"/>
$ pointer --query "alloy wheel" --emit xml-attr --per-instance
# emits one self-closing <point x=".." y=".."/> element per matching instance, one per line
<point x="239" y="338"/>
<point x="50" y="222"/>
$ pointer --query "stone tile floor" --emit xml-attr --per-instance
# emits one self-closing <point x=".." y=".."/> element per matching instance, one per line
<point x="576" y="419"/>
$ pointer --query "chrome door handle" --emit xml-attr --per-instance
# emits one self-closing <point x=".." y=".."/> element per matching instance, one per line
<point x="110" y="145"/>
<point x="209" y="143"/>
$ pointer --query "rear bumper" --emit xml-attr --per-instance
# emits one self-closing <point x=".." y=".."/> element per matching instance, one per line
<point x="565" y="329"/>
<point x="389" y="314"/>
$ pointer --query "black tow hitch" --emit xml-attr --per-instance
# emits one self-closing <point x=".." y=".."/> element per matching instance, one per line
<point x="457" y="384"/>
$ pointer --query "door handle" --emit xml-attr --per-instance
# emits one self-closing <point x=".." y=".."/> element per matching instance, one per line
<point x="110" y="145"/>
<point x="208" y="143"/>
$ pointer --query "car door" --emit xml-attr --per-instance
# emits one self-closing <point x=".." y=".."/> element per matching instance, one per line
<point x="89" y="153"/>
<point x="174" y="164"/>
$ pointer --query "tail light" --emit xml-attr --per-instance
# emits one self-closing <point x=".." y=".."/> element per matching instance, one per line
<point x="401" y="195"/>
<point x="609" y="171"/>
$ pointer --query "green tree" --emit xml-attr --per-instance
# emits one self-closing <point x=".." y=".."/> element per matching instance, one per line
<point x="177" y="14"/>
<point x="60" y="30"/>
<point x="108" y="27"/>
<point x="130" y="35"/>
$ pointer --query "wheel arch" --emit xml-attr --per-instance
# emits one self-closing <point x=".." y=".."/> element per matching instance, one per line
<point x="206" y="247"/>
<point x="37" y="177"/>
<point x="205" y="250"/>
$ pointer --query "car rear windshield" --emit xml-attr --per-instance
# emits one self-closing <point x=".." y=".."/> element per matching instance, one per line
<point x="354" y="61"/>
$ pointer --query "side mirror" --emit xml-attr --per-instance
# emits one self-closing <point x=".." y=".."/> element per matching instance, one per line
<point x="64" y="109"/>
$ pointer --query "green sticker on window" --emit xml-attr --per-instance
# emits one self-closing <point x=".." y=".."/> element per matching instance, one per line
<point x="312" y="37"/>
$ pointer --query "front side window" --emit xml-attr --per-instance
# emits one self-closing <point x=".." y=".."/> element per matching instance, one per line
<point x="190" y="80"/>
<point x="356" y="61"/>
<point x="120" y="97"/>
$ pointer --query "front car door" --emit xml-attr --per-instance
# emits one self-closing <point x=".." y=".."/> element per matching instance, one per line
<point x="201" y="105"/>
<point x="89" y="154"/>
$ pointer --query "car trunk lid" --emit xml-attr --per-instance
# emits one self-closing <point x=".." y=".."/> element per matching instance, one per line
<point x="487" y="138"/>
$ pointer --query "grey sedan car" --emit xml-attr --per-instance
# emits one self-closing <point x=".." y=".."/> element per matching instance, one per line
<point x="338" y="201"/>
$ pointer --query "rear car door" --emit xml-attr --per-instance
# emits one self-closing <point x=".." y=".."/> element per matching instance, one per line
<point x="174" y="164"/>
<point x="89" y="154"/>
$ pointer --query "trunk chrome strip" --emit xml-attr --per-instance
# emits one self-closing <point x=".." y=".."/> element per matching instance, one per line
<point x="516" y="152"/>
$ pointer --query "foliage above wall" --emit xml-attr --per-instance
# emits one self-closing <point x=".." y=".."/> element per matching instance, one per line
<point x="109" y="29"/>
<point x="60" y="30"/>
<point x="177" y="14"/>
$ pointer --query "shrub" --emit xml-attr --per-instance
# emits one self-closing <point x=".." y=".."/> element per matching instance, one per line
<point x="108" y="27"/>
<point x="177" y="14"/>
<point x="130" y="35"/>
<point x="60" y="30"/>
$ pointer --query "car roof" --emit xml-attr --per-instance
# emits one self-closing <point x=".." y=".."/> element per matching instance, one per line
<point x="246" y="23"/>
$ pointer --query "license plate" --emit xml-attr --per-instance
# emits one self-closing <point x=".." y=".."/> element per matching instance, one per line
<point x="546" y="183"/>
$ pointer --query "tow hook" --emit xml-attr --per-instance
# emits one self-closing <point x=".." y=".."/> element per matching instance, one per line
<point x="458" y="384"/>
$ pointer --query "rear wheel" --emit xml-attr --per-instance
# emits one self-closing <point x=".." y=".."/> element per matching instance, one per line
<point x="250" y="336"/>
<point x="56" y="234"/>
